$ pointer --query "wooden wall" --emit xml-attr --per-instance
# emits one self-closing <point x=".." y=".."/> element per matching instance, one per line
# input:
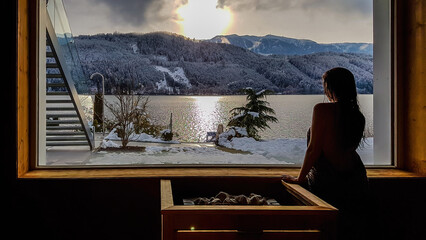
<point x="129" y="208"/>
<point x="411" y="84"/>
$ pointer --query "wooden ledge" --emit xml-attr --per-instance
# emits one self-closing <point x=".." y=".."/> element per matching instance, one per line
<point x="87" y="173"/>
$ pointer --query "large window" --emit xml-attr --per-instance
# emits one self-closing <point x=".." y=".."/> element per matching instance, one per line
<point x="153" y="83"/>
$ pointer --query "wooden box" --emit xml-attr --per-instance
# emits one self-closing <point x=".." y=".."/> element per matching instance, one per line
<point x="300" y="215"/>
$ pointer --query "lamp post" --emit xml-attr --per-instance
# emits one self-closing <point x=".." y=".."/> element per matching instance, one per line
<point x="103" y="99"/>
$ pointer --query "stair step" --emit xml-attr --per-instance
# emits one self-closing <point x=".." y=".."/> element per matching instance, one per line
<point x="64" y="127"/>
<point x="52" y="144"/>
<point x="61" y="133"/>
<point x="61" y="139"/>
<point x="50" y="54"/>
<point x="58" y="101"/>
<point x="52" y="65"/>
<point x="60" y="109"/>
<point x="71" y="115"/>
<point x="57" y="93"/>
<point x="53" y="75"/>
<point x="51" y="122"/>
<point x="55" y="84"/>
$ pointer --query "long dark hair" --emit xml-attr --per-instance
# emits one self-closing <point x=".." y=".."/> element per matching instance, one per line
<point x="339" y="86"/>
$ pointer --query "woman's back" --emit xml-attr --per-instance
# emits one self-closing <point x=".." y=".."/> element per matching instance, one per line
<point x="339" y="146"/>
<point x="338" y="176"/>
<point x="332" y="169"/>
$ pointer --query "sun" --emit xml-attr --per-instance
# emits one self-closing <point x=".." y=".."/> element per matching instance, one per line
<point x="201" y="19"/>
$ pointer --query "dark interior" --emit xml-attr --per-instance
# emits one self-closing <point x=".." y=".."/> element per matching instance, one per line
<point x="186" y="188"/>
<point x="130" y="208"/>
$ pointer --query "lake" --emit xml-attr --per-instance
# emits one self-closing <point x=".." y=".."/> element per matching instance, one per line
<point x="194" y="116"/>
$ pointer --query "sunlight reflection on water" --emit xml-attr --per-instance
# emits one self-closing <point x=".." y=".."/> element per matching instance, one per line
<point x="206" y="116"/>
<point x="194" y="116"/>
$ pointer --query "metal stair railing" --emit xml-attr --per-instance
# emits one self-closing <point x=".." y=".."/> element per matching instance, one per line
<point x="68" y="82"/>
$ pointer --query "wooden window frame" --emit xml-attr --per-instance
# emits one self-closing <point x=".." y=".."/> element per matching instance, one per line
<point x="27" y="59"/>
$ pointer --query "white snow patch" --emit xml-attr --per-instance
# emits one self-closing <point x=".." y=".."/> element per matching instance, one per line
<point x="142" y="137"/>
<point x="134" y="47"/>
<point x="178" y="75"/>
<point x="242" y="131"/>
<point x="253" y="114"/>
<point x="256" y="44"/>
<point x="109" y="144"/>
<point x="165" y="131"/>
<point x="364" y="46"/>
<point x="260" y="92"/>
<point x="163" y="85"/>
<point x="238" y="116"/>
<point x="232" y="132"/>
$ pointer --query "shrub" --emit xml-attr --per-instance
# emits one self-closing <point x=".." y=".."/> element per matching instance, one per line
<point x="254" y="115"/>
<point x="166" y="135"/>
<point x="128" y="109"/>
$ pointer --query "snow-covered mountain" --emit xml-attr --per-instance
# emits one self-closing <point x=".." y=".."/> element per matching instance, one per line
<point x="271" y="44"/>
<point x="166" y="63"/>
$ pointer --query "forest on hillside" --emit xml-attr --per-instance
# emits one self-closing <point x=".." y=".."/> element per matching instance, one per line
<point x="166" y="63"/>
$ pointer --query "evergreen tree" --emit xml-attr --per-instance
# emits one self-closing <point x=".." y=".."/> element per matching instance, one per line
<point x="254" y="116"/>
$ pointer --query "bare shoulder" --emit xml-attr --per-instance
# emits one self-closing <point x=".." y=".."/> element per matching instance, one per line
<point x="323" y="113"/>
<point x="324" y="107"/>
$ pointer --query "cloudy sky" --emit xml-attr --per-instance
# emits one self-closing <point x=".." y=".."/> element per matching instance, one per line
<point x="324" y="21"/>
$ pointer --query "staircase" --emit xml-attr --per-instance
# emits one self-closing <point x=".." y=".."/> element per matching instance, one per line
<point x="65" y="121"/>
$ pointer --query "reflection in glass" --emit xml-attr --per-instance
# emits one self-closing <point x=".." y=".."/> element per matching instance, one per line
<point x="58" y="17"/>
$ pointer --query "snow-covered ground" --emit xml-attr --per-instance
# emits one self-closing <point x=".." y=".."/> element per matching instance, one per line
<point x="158" y="151"/>
<point x="143" y="137"/>
<point x="289" y="149"/>
<point x="155" y="151"/>
<point x="183" y="154"/>
<point x="238" y="151"/>
<point x="285" y="150"/>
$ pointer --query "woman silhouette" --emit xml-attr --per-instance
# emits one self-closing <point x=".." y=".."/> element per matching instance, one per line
<point x="332" y="169"/>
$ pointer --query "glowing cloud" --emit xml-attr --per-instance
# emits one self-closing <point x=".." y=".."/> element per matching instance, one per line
<point x="202" y="19"/>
